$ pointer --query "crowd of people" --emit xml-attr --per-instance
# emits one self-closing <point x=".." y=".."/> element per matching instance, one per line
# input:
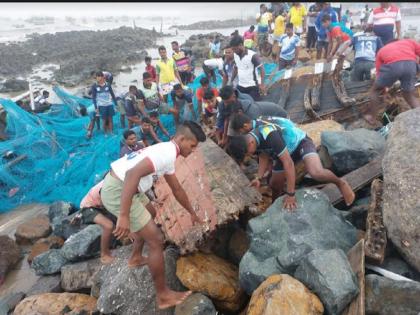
<point x="245" y="124"/>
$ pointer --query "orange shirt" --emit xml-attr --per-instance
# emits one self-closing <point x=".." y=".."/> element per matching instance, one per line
<point x="336" y="32"/>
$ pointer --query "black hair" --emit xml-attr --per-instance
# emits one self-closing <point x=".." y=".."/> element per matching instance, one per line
<point x="252" y="27"/>
<point x="237" y="147"/>
<point x="204" y="81"/>
<point x="146" y="120"/>
<point x="99" y="74"/>
<point x="161" y="47"/>
<point x="262" y="5"/>
<point x="196" y="130"/>
<point x="83" y="110"/>
<point x="132" y="88"/>
<point x="146" y="75"/>
<point x="289" y="25"/>
<point x="177" y="87"/>
<point x="236" y="40"/>
<point x="239" y="120"/>
<point x="154" y="114"/>
<point x="128" y="133"/>
<point x="174" y="42"/>
<point x="45" y="93"/>
<point x="147" y="58"/>
<point x="325" y="18"/>
<point x="208" y="95"/>
<point x="226" y="92"/>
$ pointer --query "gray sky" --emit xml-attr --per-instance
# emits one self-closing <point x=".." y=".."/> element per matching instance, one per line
<point x="77" y="9"/>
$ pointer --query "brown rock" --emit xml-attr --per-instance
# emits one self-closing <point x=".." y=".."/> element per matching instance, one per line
<point x="10" y="254"/>
<point x="55" y="303"/>
<point x="214" y="277"/>
<point x="43" y="245"/>
<point x="31" y="231"/>
<point x="238" y="245"/>
<point x="282" y="294"/>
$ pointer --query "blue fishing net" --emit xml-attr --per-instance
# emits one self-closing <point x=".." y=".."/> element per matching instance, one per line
<point x="47" y="156"/>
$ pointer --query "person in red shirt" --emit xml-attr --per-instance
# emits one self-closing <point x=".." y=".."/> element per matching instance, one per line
<point x="150" y="68"/>
<point x="339" y="40"/>
<point x="201" y="91"/>
<point x="395" y="61"/>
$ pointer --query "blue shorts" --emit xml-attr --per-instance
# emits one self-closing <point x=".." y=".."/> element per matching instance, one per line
<point x="106" y="111"/>
<point x="306" y="147"/>
<point x="405" y="71"/>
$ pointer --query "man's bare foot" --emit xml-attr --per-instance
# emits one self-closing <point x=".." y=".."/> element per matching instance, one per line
<point x="171" y="298"/>
<point x="137" y="261"/>
<point x="347" y="192"/>
<point x="107" y="259"/>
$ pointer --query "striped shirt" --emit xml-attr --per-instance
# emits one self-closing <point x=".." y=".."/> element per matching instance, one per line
<point x="388" y="16"/>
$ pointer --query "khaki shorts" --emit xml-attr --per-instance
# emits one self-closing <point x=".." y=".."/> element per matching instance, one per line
<point x="111" y="199"/>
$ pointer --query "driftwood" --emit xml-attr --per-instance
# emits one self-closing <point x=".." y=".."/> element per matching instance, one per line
<point x="216" y="187"/>
<point x="357" y="179"/>
<point x="375" y="228"/>
<point x="356" y="257"/>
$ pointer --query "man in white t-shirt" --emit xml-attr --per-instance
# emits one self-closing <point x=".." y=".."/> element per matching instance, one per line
<point x="123" y="189"/>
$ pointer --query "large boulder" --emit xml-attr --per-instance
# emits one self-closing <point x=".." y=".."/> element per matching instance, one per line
<point x="56" y="304"/>
<point x="280" y="239"/>
<point x="214" y="277"/>
<point x="31" y="231"/>
<point x="328" y="274"/>
<point x="83" y="244"/>
<point x="350" y="150"/>
<point x="401" y="191"/>
<point x="78" y="276"/>
<point x="10" y="254"/>
<point x="60" y="215"/>
<point x="131" y="291"/>
<point x="282" y="294"/>
<point x="385" y="296"/>
<point x="59" y="209"/>
<point x="196" y="304"/>
<point x="46" y="284"/>
<point x="49" y="262"/>
<point x="43" y="245"/>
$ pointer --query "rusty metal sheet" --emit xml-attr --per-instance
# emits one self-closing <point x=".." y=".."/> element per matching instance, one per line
<point x="214" y="183"/>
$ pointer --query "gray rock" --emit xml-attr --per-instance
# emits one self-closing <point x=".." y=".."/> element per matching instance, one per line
<point x="83" y="244"/>
<point x="49" y="262"/>
<point x="329" y="275"/>
<point x="357" y="216"/>
<point x="14" y="85"/>
<point x="9" y="302"/>
<point x="385" y="296"/>
<point x="78" y="276"/>
<point x="10" y="254"/>
<point x="350" y="150"/>
<point x="61" y="227"/>
<point x="279" y="239"/>
<point x="401" y="190"/>
<point x="126" y="291"/>
<point x="400" y="267"/>
<point x="196" y="304"/>
<point x="46" y="284"/>
<point x="60" y="209"/>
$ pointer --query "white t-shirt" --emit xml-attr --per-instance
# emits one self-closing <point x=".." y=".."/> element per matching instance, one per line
<point x="162" y="155"/>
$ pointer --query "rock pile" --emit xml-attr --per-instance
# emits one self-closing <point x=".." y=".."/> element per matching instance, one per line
<point x="214" y="24"/>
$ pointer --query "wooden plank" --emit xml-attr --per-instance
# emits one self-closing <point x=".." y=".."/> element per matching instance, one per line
<point x="307" y="102"/>
<point x="357" y="179"/>
<point x="216" y="187"/>
<point x="356" y="257"/>
<point x="375" y="229"/>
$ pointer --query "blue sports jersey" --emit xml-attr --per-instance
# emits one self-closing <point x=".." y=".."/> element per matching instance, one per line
<point x="288" y="46"/>
<point x="366" y="46"/>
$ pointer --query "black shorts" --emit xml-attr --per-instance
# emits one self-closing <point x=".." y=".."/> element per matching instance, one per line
<point x="306" y="147"/>
<point x="321" y="44"/>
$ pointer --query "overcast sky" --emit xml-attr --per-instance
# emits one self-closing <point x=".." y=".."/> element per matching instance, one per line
<point x="76" y="9"/>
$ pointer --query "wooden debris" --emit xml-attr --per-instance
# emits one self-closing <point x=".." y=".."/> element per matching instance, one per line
<point x="375" y="229"/>
<point x="216" y="187"/>
<point x="307" y="102"/>
<point x="356" y="257"/>
<point x="357" y="179"/>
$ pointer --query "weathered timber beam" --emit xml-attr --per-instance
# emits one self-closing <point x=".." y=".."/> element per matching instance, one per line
<point x="356" y="257"/>
<point x="307" y="102"/>
<point x="357" y="179"/>
<point x="375" y="229"/>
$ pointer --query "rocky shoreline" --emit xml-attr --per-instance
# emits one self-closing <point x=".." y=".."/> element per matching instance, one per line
<point x="215" y="24"/>
<point x="77" y="52"/>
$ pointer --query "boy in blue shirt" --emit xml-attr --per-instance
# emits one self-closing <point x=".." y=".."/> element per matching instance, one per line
<point x="278" y="141"/>
<point x="104" y="99"/>
<point x="289" y="48"/>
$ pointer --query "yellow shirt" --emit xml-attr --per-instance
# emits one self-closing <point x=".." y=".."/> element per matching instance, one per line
<point x="166" y="70"/>
<point x="279" y="28"/>
<point x="296" y="15"/>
